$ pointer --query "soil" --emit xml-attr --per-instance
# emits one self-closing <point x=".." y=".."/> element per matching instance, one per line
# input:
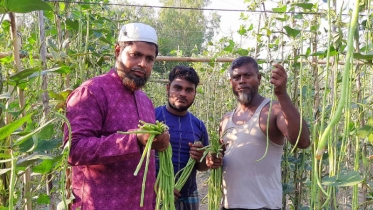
<point x="202" y="189"/>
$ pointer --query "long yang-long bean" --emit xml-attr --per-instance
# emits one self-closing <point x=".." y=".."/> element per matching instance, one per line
<point x="153" y="130"/>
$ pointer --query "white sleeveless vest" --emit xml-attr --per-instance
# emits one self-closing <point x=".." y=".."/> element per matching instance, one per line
<point x="247" y="182"/>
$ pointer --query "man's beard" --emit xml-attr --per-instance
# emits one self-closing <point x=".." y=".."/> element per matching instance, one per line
<point x="244" y="97"/>
<point x="132" y="82"/>
<point x="179" y="108"/>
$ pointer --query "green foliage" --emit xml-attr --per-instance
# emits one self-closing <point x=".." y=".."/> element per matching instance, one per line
<point x="305" y="6"/>
<point x="291" y="31"/>
<point x="344" y="179"/>
<point x="190" y="28"/>
<point x="23" y="6"/>
<point x="43" y="199"/>
<point x="280" y="9"/>
<point x="13" y="126"/>
<point x="79" y="42"/>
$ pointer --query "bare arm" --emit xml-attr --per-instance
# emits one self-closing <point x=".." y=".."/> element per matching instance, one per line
<point x="288" y="119"/>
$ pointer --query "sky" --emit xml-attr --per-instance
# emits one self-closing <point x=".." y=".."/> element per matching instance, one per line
<point x="229" y="22"/>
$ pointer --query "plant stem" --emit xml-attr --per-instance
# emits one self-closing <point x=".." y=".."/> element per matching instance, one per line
<point x="345" y="81"/>
<point x="13" y="177"/>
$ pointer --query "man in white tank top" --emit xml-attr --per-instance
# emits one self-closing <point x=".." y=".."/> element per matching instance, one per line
<point x="251" y="165"/>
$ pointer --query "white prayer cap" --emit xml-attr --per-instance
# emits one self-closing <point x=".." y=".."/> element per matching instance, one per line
<point x="137" y="32"/>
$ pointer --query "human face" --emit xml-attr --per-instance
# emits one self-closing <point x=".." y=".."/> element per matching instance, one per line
<point x="245" y="81"/>
<point x="134" y="64"/>
<point x="181" y="94"/>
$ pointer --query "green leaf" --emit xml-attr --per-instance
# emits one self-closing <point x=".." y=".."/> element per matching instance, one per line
<point x="291" y="32"/>
<point x="280" y="9"/>
<point x="25" y="137"/>
<point x="282" y="19"/>
<point x="319" y="53"/>
<point x="105" y="40"/>
<point x="25" y="6"/>
<point x="55" y="95"/>
<point x="47" y="132"/>
<point x="23" y="74"/>
<point x="28" y="160"/>
<point x="361" y="56"/>
<point x="72" y="25"/>
<point x="314" y="27"/>
<point x="10" y="128"/>
<point x="242" y="30"/>
<point x="7" y="59"/>
<point x="26" y="145"/>
<point x="370" y="121"/>
<point x="230" y="47"/>
<point x="58" y="70"/>
<point x="287" y="188"/>
<point x="2" y="155"/>
<point x="47" y="145"/>
<point x="370" y="138"/>
<point x="364" y="131"/>
<point x="44" y="167"/>
<point x="251" y="27"/>
<point x="43" y="199"/>
<point x="85" y="6"/>
<point x="299" y="17"/>
<point x="242" y="52"/>
<point x="306" y="6"/>
<point x="261" y="61"/>
<point x="345" y="179"/>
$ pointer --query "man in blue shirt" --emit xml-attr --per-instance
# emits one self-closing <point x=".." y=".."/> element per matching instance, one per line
<point x="188" y="133"/>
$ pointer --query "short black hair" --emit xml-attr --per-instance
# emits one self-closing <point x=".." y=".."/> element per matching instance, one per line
<point x="129" y="43"/>
<point x="243" y="60"/>
<point x="184" y="72"/>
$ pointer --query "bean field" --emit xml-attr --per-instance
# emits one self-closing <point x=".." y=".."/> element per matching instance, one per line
<point x="48" y="48"/>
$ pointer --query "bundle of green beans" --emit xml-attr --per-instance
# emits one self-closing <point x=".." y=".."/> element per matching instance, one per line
<point x="153" y="130"/>
<point x="214" y="181"/>
<point x="165" y="184"/>
<point x="215" y="193"/>
<point x="185" y="172"/>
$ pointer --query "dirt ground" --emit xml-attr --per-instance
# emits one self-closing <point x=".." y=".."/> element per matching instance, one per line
<point x="202" y="188"/>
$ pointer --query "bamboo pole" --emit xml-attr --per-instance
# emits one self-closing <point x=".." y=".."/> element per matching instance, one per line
<point x="21" y="100"/>
<point x="44" y="85"/>
<point x="200" y="59"/>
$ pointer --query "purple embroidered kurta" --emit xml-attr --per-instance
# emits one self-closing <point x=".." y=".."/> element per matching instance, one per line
<point x="104" y="161"/>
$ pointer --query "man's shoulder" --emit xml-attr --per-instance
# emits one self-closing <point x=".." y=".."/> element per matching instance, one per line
<point x="99" y="81"/>
<point x="275" y="107"/>
<point x="227" y="115"/>
<point x="158" y="108"/>
<point x="158" y="111"/>
<point x="196" y="119"/>
<point x="193" y="116"/>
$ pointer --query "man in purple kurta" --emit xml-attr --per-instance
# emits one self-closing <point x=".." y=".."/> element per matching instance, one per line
<point x="103" y="161"/>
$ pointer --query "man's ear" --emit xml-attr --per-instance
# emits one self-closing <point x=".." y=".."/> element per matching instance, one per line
<point x="168" y="89"/>
<point x="116" y="50"/>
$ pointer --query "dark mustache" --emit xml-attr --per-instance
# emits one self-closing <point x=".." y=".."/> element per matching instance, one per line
<point x="181" y="98"/>
<point x="139" y="69"/>
<point x="133" y="69"/>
